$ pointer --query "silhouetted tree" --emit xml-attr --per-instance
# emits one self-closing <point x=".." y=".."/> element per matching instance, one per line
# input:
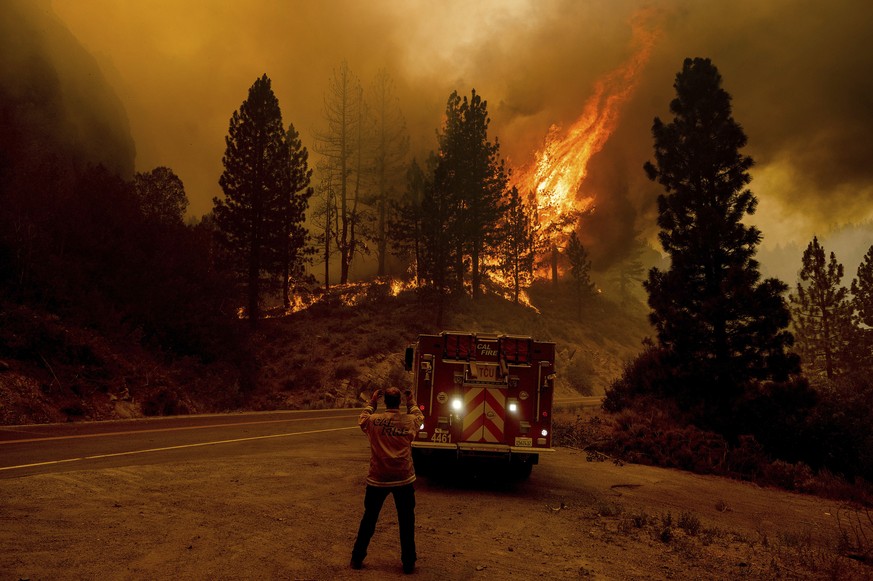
<point x="821" y="310"/>
<point x="255" y="182"/>
<point x="471" y="175"/>
<point x="862" y="290"/>
<point x="862" y="303"/>
<point x="390" y="145"/>
<point x="553" y="237"/>
<point x="327" y="224"/>
<point x="342" y="145"/>
<point x="714" y="316"/>
<point x="438" y="211"/>
<point x="630" y="272"/>
<point x="294" y="253"/>
<point x="580" y="271"/>
<point x="408" y="216"/>
<point x="516" y="245"/>
<point x="161" y="195"/>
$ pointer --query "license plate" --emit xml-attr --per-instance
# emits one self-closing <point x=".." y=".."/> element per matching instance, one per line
<point x="520" y="442"/>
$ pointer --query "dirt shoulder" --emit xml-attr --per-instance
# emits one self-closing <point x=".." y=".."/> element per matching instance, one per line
<point x="283" y="512"/>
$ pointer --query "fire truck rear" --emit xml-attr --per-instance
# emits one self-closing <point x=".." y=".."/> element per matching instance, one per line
<point x="485" y="397"/>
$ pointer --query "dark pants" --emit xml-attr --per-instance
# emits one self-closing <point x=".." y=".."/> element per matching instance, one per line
<point x="404" y="500"/>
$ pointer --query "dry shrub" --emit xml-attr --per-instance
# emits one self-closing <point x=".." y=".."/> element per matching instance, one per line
<point x="579" y="373"/>
<point x="346" y="370"/>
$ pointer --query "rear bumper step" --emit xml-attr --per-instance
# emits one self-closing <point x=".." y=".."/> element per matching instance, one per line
<point x="495" y="449"/>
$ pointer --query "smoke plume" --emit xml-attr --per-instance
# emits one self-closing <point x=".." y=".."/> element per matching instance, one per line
<point x="798" y="71"/>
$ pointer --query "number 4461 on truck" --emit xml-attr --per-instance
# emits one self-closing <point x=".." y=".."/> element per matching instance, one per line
<point x="485" y="398"/>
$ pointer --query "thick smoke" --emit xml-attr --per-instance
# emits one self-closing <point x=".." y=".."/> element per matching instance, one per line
<point x="57" y="113"/>
<point x="797" y="70"/>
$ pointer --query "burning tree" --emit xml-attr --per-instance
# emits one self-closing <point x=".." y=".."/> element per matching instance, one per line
<point x="517" y="239"/>
<point x="580" y="270"/>
<point x="718" y="323"/>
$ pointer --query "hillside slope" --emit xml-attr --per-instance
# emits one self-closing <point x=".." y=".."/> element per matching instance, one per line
<point x="334" y="355"/>
<point x="331" y="354"/>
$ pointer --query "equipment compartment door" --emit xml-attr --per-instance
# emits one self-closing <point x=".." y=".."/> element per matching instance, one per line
<point x="485" y="413"/>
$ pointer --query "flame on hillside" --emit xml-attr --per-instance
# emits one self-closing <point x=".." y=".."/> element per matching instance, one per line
<point x="560" y="168"/>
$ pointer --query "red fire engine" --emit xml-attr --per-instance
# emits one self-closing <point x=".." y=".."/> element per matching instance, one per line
<point x="484" y="397"/>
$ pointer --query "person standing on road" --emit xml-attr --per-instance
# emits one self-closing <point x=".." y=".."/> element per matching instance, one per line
<point x="391" y="472"/>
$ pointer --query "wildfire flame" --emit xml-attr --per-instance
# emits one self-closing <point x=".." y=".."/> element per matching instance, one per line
<point x="560" y="168"/>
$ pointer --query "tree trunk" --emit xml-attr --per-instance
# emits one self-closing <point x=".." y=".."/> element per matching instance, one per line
<point x="254" y="290"/>
<point x="829" y="360"/>
<point x="286" y="293"/>
<point x="554" y="265"/>
<point x="382" y="243"/>
<point x="476" y="281"/>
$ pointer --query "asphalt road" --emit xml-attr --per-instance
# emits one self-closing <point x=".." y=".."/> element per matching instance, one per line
<point x="50" y="448"/>
<point x="277" y="495"/>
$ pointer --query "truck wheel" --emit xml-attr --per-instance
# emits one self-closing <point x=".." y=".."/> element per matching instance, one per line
<point x="521" y="470"/>
<point x="422" y="462"/>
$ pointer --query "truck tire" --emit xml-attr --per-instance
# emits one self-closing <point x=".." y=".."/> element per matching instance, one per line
<point x="520" y="470"/>
<point x="422" y="462"/>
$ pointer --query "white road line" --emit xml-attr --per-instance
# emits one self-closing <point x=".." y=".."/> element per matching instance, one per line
<point x="98" y="456"/>
<point x="152" y="430"/>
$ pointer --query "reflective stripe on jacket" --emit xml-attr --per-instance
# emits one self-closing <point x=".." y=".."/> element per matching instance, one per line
<point x="391" y="434"/>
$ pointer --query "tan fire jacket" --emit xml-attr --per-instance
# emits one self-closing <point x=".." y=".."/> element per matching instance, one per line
<point x="391" y="434"/>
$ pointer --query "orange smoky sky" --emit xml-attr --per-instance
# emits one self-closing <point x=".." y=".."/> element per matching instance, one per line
<point x="798" y="71"/>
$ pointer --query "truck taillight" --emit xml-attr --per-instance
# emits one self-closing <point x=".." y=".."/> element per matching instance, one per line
<point x="545" y="433"/>
<point x="421" y="407"/>
<point x="457" y="404"/>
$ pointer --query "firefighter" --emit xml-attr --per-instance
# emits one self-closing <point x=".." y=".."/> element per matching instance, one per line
<point x="391" y="471"/>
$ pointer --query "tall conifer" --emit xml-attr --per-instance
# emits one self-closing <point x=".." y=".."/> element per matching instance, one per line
<point x="719" y="322"/>
<point x="254" y="180"/>
<point x="821" y="310"/>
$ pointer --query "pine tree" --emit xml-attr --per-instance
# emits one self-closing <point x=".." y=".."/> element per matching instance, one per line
<point x="405" y="230"/>
<point x="580" y="271"/>
<point x="254" y="180"/>
<point x="294" y="253"/>
<point x="862" y="290"/>
<point x="472" y="176"/>
<point x="516" y="242"/>
<point x="862" y="303"/>
<point x="390" y="145"/>
<point x="325" y="219"/>
<point x="161" y="195"/>
<point x="720" y="323"/>
<point x="437" y="244"/>
<point x="821" y="311"/>
<point x="630" y="272"/>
